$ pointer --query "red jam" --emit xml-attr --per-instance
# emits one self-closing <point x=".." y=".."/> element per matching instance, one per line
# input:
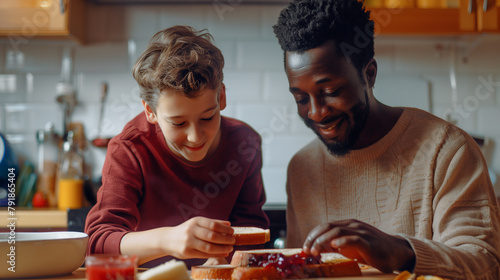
<point x="285" y="265"/>
<point x="106" y="267"/>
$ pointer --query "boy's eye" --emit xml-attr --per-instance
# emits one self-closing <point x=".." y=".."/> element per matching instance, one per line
<point x="208" y="119"/>
<point x="178" y="124"/>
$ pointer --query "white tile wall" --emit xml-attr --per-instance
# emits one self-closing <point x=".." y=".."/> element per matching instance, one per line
<point x="415" y="70"/>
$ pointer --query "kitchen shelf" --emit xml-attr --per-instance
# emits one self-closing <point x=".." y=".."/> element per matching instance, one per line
<point x="465" y="17"/>
<point x="22" y="20"/>
<point x="35" y="218"/>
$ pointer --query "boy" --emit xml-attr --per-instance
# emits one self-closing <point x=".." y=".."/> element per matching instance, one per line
<point x="178" y="175"/>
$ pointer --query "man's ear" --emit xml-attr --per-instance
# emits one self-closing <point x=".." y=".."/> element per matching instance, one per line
<point x="150" y="115"/>
<point x="371" y="72"/>
<point x="222" y="97"/>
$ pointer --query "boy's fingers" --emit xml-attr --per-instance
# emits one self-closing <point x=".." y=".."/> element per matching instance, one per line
<point x="220" y="226"/>
<point x="214" y="236"/>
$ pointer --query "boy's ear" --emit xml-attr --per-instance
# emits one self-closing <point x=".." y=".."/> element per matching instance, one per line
<point x="222" y="97"/>
<point x="150" y="115"/>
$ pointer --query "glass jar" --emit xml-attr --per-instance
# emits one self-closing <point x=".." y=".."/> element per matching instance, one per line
<point x="48" y="154"/>
<point x="70" y="181"/>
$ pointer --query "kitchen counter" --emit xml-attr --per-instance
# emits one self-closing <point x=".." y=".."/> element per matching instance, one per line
<point x="368" y="274"/>
<point x="34" y="218"/>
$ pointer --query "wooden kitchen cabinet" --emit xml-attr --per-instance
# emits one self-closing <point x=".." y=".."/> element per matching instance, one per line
<point x="23" y="20"/>
<point x="434" y="17"/>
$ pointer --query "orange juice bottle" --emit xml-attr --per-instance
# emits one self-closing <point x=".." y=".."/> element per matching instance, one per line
<point x="70" y="183"/>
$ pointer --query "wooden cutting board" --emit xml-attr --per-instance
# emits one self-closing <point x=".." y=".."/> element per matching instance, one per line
<point x="368" y="274"/>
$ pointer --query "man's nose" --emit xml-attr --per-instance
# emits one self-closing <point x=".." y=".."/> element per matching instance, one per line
<point x="318" y="110"/>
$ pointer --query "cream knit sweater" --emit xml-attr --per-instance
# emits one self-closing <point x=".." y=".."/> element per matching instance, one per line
<point x="425" y="180"/>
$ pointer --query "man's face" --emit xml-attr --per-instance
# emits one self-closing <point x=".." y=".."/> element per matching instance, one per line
<point x="331" y="97"/>
<point x="190" y="126"/>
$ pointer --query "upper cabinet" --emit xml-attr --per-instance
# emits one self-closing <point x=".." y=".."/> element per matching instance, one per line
<point x="434" y="17"/>
<point x="55" y="19"/>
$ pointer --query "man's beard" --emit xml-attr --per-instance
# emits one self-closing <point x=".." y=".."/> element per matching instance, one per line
<point x="360" y="113"/>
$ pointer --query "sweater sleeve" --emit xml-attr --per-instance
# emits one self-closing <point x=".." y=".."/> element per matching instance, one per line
<point x="247" y="210"/>
<point x="465" y="237"/>
<point x="115" y="212"/>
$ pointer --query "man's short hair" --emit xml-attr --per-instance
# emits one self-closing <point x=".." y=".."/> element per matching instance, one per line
<point x="307" y="24"/>
<point x="181" y="59"/>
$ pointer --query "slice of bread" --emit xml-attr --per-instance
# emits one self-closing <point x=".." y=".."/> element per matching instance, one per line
<point x="339" y="269"/>
<point x="251" y="235"/>
<point x="212" y="272"/>
<point x="171" y="270"/>
<point x="331" y="265"/>
<point x="240" y="258"/>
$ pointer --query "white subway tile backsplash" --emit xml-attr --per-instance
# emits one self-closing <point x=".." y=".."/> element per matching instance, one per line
<point x="420" y="58"/>
<point x="243" y="86"/>
<point x="2" y="54"/>
<point x="102" y="58"/>
<point x="275" y="185"/>
<point x="42" y="58"/>
<point x="269" y="19"/>
<point x="44" y="89"/>
<point x="2" y="119"/>
<point x="466" y="120"/>
<point x="264" y="55"/>
<point x="27" y="118"/>
<point x="280" y="149"/>
<point x="234" y="21"/>
<point x="411" y="72"/>
<point x="403" y="90"/>
<point x="483" y="57"/>
<point x="276" y="87"/>
<point x="267" y="119"/>
<point x="228" y="49"/>
<point x="191" y="15"/>
<point x="142" y="22"/>
<point x="487" y="121"/>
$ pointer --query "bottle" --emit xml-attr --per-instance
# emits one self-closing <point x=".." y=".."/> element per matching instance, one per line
<point x="48" y="155"/>
<point x="70" y="183"/>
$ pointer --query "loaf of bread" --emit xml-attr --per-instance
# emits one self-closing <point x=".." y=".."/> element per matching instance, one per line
<point x="251" y="235"/>
<point x="208" y="272"/>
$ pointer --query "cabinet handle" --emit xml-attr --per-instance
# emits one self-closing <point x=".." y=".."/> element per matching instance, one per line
<point x="469" y="8"/>
<point x="61" y="6"/>
<point x="485" y="5"/>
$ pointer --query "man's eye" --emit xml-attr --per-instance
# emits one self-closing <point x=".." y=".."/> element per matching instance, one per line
<point x="301" y="100"/>
<point x="331" y="93"/>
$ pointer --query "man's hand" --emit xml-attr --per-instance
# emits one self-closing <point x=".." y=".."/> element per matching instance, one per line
<point x="362" y="242"/>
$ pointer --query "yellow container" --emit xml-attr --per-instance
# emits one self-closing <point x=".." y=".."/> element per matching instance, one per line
<point x="70" y="194"/>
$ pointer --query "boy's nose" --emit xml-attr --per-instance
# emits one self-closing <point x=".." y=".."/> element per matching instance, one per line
<point x="194" y="134"/>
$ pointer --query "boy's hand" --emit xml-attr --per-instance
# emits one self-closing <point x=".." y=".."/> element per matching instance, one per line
<point x="198" y="237"/>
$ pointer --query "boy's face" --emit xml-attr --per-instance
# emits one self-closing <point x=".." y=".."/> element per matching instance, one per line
<point x="191" y="126"/>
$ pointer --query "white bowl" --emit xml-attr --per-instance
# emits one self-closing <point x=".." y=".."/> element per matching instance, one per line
<point x="41" y="254"/>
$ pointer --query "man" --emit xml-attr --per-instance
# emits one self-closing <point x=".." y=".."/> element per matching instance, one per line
<point x="395" y="188"/>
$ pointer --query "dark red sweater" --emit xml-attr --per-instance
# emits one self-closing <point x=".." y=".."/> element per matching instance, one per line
<point x="145" y="186"/>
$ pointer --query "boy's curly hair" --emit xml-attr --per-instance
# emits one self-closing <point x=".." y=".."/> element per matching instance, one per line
<point x="181" y="59"/>
<point x="307" y="24"/>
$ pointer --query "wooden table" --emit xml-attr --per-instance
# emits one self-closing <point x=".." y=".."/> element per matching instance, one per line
<point x="368" y="274"/>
